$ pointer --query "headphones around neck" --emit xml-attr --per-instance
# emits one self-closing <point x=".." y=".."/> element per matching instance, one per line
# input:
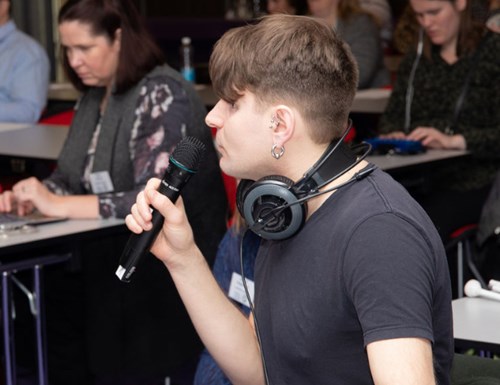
<point x="275" y="208"/>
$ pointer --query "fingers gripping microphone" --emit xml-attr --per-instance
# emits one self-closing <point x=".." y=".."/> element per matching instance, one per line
<point x="473" y="289"/>
<point x="183" y="163"/>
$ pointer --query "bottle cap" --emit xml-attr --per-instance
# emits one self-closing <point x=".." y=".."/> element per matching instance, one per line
<point x="186" y="40"/>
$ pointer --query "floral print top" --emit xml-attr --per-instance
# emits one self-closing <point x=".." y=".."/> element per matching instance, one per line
<point x="160" y="122"/>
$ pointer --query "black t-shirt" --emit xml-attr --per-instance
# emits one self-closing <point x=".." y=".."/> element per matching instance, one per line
<point x="368" y="265"/>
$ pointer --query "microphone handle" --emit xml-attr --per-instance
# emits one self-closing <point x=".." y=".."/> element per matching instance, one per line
<point x="138" y="245"/>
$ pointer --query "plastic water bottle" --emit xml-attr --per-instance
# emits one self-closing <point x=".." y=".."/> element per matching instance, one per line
<point x="187" y="65"/>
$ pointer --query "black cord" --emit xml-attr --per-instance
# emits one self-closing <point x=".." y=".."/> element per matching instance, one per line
<point x="252" y="308"/>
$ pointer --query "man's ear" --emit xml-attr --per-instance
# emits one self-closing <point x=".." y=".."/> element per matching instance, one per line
<point x="285" y="127"/>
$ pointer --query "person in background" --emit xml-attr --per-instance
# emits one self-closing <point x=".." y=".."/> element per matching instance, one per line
<point x="24" y="72"/>
<point x="360" y="293"/>
<point x="133" y="111"/>
<point x="407" y="27"/>
<point x="493" y="19"/>
<point x="227" y="271"/>
<point x="406" y="31"/>
<point x="447" y="98"/>
<point x="359" y="29"/>
<point x="383" y="14"/>
<point x="291" y="7"/>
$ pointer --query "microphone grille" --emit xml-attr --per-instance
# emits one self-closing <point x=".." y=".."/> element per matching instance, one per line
<point x="189" y="152"/>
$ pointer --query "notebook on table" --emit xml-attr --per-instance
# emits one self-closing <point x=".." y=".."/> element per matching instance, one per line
<point x="10" y="221"/>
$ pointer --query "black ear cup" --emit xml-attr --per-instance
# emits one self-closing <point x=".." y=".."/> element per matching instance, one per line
<point x="268" y="207"/>
<point x="275" y="207"/>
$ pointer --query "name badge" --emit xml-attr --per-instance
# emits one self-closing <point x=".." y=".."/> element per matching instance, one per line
<point x="237" y="290"/>
<point x="101" y="182"/>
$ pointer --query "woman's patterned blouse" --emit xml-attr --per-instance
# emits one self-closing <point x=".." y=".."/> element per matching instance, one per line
<point x="161" y="117"/>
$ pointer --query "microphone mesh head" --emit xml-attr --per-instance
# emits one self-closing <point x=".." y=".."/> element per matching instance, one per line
<point x="189" y="152"/>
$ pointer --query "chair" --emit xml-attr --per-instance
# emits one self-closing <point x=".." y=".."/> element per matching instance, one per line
<point x="63" y="118"/>
<point x="462" y="240"/>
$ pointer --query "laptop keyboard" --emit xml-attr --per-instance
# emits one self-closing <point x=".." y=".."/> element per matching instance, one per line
<point x="10" y="221"/>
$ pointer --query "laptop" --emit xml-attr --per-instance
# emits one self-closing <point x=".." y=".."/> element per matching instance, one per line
<point x="11" y="221"/>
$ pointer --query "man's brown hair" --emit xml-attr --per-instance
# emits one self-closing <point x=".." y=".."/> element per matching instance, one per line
<point x="289" y="59"/>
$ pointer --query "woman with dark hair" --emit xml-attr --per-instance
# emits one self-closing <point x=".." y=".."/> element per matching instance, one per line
<point x="446" y="96"/>
<point x="133" y="111"/>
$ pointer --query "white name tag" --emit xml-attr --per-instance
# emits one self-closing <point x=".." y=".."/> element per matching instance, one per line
<point x="237" y="290"/>
<point x="101" y="182"/>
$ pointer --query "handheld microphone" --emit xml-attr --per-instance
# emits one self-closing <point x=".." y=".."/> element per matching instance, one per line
<point x="473" y="289"/>
<point x="183" y="163"/>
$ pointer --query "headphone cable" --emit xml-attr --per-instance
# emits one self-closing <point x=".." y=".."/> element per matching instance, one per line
<point x="410" y="90"/>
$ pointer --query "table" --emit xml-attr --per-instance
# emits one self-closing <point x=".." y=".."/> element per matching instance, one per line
<point x="34" y="141"/>
<point x="63" y="92"/>
<point x="12" y="126"/>
<point x="45" y="142"/>
<point x="476" y="323"/>
<point x="396" y="162"/>
<point x="365" y="101"/>
<point x="44" y="237"/>
<point x="372" y="101"/>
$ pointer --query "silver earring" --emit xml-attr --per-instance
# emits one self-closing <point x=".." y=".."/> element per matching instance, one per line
<point x="274" y="123"/>
<point x="277" y="155"/>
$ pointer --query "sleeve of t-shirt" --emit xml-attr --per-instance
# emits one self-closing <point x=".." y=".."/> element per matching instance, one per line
<point x="389" y="277"/>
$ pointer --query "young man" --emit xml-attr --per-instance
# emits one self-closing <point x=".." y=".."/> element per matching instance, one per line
<point x="360" y="293"/>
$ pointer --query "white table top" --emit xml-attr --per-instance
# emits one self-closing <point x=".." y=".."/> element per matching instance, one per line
<point x="12" y="126"/>
<point x="373" y="100"/>
<point x="367" y="101"/>
<point x="54" y="231"/>
<point x="46" y="141"/>
<point x="39" y="141"/>
<point x="476" y="320"/>
<point x="391" y="162"/>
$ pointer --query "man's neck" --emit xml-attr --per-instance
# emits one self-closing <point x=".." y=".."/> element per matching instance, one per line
<point x="315" y="203"/>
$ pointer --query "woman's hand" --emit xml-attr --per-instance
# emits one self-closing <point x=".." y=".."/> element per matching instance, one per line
<point x="393" y="135"/>
<point x="7" y="202"/>
<point x="433" y="138"/>
<point x="30" y="193"/>
<point x="175" y="243"/>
